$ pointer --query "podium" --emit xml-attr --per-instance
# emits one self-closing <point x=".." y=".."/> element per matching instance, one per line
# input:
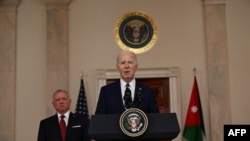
<point x="161" y="126"/>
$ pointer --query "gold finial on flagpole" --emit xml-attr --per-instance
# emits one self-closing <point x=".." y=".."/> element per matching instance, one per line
<point x="81" y="74"/>
<point x="194" y="71"/>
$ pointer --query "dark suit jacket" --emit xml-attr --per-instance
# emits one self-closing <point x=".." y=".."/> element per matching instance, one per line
<point x="77" y="129"/>
<point x="111" y="102"/>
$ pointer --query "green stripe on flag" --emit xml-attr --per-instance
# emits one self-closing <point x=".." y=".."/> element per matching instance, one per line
<point x="193" y="133"/>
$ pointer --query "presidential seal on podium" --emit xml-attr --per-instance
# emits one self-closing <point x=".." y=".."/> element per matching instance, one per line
<point x="133" y="122"/>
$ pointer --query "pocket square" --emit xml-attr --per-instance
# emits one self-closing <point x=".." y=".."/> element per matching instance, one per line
<point x="76" y="126"/>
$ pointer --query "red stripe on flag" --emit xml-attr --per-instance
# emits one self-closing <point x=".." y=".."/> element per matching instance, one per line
<point x="193" y="114"/>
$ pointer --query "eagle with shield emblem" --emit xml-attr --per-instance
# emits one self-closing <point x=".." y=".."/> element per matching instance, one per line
<point x="134" y="123"/>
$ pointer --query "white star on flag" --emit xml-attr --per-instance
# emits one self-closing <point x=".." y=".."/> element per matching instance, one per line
<point x="194" y="109"/>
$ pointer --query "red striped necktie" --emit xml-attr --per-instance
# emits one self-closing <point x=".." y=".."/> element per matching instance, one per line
<point x="63" y="127"/>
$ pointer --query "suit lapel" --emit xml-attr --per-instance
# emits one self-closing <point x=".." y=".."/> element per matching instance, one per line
<point x="118" y="94"/>
<point x="70" y="123"/>
<point x="56" y="127"/>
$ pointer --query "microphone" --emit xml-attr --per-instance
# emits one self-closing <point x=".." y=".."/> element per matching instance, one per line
<point x="138" y="99"/>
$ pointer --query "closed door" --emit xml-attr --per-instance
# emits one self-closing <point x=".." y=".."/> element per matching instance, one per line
<point x="161" y="90"/>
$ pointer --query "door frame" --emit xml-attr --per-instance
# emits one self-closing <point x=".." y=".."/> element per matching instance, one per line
<point x="174" y="85"/>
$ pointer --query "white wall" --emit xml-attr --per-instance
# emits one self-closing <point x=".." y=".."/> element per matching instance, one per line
<point x="239" y="50"/>
<point x="92" y="46"/>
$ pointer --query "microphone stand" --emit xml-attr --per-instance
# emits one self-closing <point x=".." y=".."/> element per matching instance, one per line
<point x="139" y="98"/>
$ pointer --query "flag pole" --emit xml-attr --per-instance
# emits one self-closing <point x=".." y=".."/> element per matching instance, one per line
<point x="81" y="74"/>
<point x="194" y="71"/>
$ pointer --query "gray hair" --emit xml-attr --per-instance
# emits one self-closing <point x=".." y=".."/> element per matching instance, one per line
<point x="60" y="90"/>
<point x="126" y="51"/>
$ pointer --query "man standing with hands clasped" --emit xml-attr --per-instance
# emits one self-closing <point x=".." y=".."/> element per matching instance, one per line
<point x="64" y="125"/>
<point x="126" y="92"/>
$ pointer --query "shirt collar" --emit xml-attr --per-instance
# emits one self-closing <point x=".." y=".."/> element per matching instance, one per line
<point x="66" y="115"/>
<point x="131" y="83"/>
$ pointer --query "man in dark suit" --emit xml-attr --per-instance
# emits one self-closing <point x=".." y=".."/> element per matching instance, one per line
<point x="76" y="126"/>
<point x="113" y="98"/>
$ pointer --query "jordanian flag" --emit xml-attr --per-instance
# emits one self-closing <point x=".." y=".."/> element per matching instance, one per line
<point x="194" y="127"/>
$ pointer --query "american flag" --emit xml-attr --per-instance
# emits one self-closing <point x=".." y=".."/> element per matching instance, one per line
<point x="81" y="106"/>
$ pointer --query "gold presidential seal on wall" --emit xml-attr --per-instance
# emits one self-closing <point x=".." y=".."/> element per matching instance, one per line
<point x="136" y="31"/>
<point x="133" y="122"/>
